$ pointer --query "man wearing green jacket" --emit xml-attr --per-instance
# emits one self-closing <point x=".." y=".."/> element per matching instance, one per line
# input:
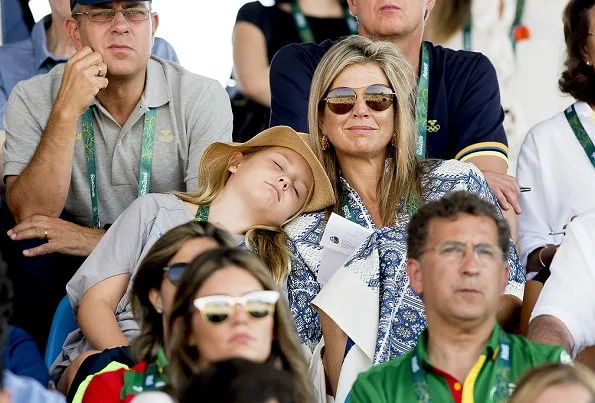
<point x="457" y="264"/>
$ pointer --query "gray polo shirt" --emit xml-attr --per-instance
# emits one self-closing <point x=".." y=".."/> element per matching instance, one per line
<point x="192" y="112"/>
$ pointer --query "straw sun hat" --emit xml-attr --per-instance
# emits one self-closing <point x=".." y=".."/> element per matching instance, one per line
<point x="216" y="157"/>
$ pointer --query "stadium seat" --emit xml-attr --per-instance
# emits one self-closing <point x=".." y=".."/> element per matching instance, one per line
<point x="63" y="323"/>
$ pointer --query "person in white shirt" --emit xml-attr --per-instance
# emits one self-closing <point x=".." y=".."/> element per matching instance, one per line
<point x="557" y="158"/>
<point x="565" y="311"/>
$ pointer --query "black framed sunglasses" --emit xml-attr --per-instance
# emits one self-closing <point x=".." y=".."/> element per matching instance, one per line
<point x="175" y="272"/>
<point x="341" y="100"/>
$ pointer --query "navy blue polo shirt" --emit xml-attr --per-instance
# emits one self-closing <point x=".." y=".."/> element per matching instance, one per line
<point x="464" y="111"/>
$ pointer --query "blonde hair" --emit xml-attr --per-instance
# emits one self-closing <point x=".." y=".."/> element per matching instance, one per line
<point x="401" y="176"/>
<point x="184" y="360"/>
<point x="446" y="19"/>
<point x="269" y="243"/>
<point x="533" y="383"/>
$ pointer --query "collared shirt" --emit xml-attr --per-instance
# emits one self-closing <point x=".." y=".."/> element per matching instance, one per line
<point x="23" y="389"/>
<point x="27" y="58"/>
<point x="555" y="166"/>
<point x="191" y="113"/>
<point x="464" y="112"/>
<point x="394" y="380"/>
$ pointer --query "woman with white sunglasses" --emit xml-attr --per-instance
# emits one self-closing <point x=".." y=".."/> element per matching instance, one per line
<point x="227" y="306"/>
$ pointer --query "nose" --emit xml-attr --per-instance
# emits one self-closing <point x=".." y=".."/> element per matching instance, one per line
<point x="360" y="108"/>
<point x="284" y="182"/>
<point x="239" y="315"/>
<point x="120" y="23"/>
<point x="470" y="262"/>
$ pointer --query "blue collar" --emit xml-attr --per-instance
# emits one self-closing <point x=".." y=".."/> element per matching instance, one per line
<point x="39" y="40"/>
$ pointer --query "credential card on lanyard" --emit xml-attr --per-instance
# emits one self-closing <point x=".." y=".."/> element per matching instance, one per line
<point x="341" y="239"/>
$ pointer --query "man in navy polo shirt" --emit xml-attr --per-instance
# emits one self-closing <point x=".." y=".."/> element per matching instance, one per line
<point x="464" y="116"/>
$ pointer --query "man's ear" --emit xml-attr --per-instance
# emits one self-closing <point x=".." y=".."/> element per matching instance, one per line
<point x="154" y="24"/>
<point x="352" y="7"/>
<point x="72" y="29"/>
<point x="430" y="4"/>
<point x="415" y="276"/>
<point x="156" y="301"/>
<point x="234" y="162"/>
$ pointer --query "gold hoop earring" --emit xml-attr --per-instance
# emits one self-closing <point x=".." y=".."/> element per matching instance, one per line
<point x="394" y="140"/>
<point x="324" y="142"/>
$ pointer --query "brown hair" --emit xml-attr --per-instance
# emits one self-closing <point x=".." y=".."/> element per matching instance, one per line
<point x="447" y="17"/>
<point x="533" y="383"/>
<point x="150" y="275"/>
<point x="578" y="79"/>
<point x="451" y="206"/>
<point x="269" y="243"/>
<point x="184" y="360"/>
<point x="401" y="178"/>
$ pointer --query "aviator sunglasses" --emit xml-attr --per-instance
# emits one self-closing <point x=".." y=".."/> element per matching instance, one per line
<point x="217" y="309"/>
<point x="342" y="100"/>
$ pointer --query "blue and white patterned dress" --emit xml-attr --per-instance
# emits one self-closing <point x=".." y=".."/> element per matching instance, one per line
<point x="370" y="297"/>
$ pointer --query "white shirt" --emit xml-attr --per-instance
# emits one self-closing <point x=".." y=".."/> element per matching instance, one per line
<point x="568" y="293"/>
<point x="562" y="180"/>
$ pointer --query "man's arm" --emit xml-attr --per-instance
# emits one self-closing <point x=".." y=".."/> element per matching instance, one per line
<point x="42" y="187"/>
<point x="478" y="130"/>
<point x="548" y="329"/>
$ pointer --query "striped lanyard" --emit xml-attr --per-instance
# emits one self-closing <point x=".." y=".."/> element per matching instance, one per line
<point x="422" y="390"/>
<point x="421" y="107"/>
<point x="304" y="29"/>
<point x="581" y="134"/>
<point x="146" y="159"/>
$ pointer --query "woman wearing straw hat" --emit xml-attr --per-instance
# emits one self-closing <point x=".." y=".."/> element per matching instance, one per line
<point x="362" y="128"/>
<point x="251" y="189"/>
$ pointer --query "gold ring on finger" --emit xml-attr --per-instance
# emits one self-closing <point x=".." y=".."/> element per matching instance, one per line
<point x="98" y="69"/>
<point x="45" y="234"/>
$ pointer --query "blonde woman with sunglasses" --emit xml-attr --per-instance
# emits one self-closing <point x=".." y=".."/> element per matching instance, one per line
<point x="251" y="189"/>
<point x="227" y="306"/>
<point x="361" y="118"/>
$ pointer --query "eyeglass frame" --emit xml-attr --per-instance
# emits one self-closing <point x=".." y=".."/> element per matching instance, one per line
<point x="241" y="300"/>
<point x="474" y="247"/>
<point x="124" y="12"/>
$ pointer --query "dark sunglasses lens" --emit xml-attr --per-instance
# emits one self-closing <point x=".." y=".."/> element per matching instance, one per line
<point x="176" y="272"/>
<point x="378" y="98"/>
<point x="341" y="100"/>
<point x="259" y="309"/>
<point x="217" y="317"/>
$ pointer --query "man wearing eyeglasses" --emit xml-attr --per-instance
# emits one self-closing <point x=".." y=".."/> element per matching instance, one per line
<point x="47" y="46"/>
<point x="457" y="264"/>
<point x="84" y="140"/>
